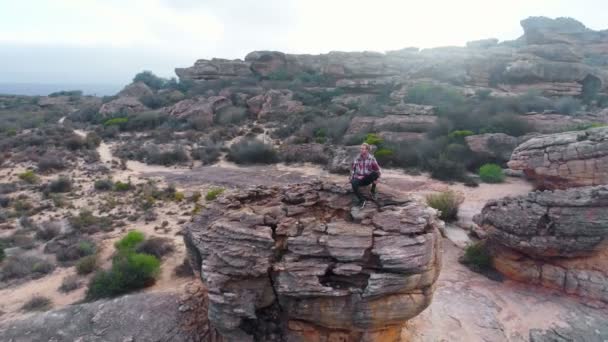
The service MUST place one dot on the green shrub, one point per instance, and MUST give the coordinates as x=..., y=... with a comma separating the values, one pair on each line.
x=195, y=197
x=435, y=95
x=51, y=161
x=252, y=151
x=447, y=203
x=491, y=173
x=29, y=177
x=120, y=186
x=48, y=230
x=104, y=185
x=61, y=184
x=373, y=139
x=444, y=168
x=208, y=154
x=150, y=79
x=75, y=250
x=130, y=271
x=37, y=303
x=175, y=155
x=116, y=122
x=130, y=241
x=213, y=193
x=279, y=75
x=86, y=265
x=178, y=196
x=508, y=124
x=21, y=266
x=458, y=136
x=477, y=257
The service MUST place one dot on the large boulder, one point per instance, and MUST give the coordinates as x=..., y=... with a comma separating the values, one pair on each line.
x=342, y=159
x=216, y=68
x=564, y=160
x=203, y=108
x=493, y=145
x=122, y=105
x=298, y=264
x=553, y=238
x=274, y=103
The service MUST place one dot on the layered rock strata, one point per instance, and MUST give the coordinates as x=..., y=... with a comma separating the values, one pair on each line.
x=297, y=264
x=563, y=160
x=557, y=239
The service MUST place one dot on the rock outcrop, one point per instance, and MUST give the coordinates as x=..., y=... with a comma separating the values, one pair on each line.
x=390, y=123
x=564, y=160
x=493, y=145
x=557, y=239
x=298, y=264
x=203, y=108
x=122, y=105
x=558, y=57
x=274, y=103
x=137, y=90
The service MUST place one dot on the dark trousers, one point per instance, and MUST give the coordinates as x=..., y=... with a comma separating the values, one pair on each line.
x=365, y=181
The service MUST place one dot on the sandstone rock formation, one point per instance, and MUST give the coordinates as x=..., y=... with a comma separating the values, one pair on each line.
x=565, y=160
x=123, y=105
x=493, y=145
x=204, y=108
x=297, y=264
x=273, y=103
x=558, y=57
x=557, y=239
x=390, y=123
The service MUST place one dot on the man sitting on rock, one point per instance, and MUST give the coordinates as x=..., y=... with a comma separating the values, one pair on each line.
x=364, y=171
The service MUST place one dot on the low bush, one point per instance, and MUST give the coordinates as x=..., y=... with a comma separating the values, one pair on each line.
x=491, y=173
x=86, y=265
x=207, y=154
x=51, y=162
x=69, y=284
x=184, y=269
x=213, y=193
x=129, y=271
x=156, y=246
x=37, y=303
x=75, y=251
x=48, y=230
x=121, y=187
x=61, y=184
x=29, y=177
x=195, y=197
x=104, y=185
x=178, y=196
x=88, y=223
x=175, y=155
x=568, y=105
x=21, y=266
x=252, y=151
x=447, y=203
x=130, y=241
x=477, y=257
x=2, y=253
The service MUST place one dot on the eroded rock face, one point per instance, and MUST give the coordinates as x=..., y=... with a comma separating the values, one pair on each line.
x=557, y=239
x=216, y=68
x=202, y=108
x=297, y=264
x=565, y=160
x=494, y=145
x=390, y=123
x=137, y=89
x=274, y=103
x=123, y=105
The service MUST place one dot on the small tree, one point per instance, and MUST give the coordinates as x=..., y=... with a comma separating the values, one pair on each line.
x=150, y=79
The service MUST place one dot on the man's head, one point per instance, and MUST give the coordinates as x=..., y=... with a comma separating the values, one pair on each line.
x=365, y=148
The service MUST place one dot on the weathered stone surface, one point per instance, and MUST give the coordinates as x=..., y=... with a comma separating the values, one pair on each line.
x=313, y=153
x=564, y=160
x=202, y=108
x=342, y=159
x=137, y=89
x=393, y=123
x=139, y=317
x=124, y=105
x=274, y=103
x=297, y=248
x=557, y=123
x=556, y=239
x=494, y=145
x=216, y=68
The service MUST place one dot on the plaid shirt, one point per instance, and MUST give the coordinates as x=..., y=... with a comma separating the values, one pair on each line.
x=364, y=166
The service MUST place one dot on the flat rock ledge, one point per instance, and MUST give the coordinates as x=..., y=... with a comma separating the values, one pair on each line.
x=297, y=263
x=557, y=239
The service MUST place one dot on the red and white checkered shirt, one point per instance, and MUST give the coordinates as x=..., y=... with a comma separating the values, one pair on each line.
x=364, y=166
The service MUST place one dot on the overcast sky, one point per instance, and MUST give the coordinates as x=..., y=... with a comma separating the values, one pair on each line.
x=108, y=41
